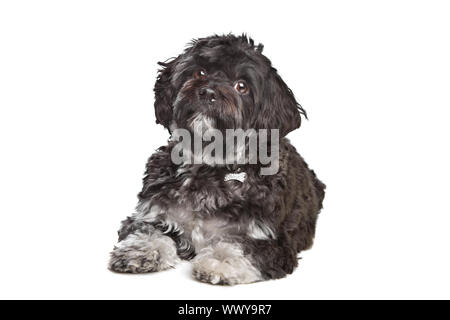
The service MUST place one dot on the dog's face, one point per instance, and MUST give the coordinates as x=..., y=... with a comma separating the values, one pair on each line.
x=226, y=83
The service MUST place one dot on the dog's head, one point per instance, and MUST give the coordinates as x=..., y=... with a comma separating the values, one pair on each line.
x=226, y=83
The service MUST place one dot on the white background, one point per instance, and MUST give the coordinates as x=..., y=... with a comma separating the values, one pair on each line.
x=77, y=125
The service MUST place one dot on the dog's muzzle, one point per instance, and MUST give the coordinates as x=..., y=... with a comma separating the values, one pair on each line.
x=207, y=94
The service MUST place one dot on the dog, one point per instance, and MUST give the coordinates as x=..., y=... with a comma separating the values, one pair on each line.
x=233, y=223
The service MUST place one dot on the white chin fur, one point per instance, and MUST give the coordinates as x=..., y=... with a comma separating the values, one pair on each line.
x=201, y=123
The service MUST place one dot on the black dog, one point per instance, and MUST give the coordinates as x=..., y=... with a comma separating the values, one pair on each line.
x=237, y=228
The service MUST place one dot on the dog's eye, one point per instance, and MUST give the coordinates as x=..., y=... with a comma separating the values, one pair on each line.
x=200, y=74
x=241, y=87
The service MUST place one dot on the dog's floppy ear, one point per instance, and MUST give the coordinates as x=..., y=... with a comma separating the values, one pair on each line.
x=279, y=109
x=165, y=92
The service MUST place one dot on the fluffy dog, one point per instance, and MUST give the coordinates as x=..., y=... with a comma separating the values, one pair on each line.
x=234, y=230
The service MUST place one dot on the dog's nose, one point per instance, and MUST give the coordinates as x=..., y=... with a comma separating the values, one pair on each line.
x=207, y=94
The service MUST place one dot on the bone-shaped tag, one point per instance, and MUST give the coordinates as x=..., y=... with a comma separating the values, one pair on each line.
x=235, y=176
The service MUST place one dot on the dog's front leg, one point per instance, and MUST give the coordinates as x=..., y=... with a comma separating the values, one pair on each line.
x=144, y=249
x=245, y=260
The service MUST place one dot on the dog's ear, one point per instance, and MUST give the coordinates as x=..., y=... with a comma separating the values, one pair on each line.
x=279, y=109
x=165, y=92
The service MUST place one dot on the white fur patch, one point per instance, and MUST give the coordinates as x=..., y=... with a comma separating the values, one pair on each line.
x=206, y=232
x=141, y=252
x=197, y=235
x=260, y=231
x=224, y=263
x=147, y=212
x=201, y=123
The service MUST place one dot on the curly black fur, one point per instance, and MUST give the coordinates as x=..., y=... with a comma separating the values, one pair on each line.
x=282, y=207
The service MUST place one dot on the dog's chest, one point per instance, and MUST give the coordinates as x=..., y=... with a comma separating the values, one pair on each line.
x=201, y=231
x=196, y=204
x=206, y=193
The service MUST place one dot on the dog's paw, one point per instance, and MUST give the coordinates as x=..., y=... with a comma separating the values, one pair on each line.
x=215, y=272
x=130, y=261
x=224, y=264
x=141, y=253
